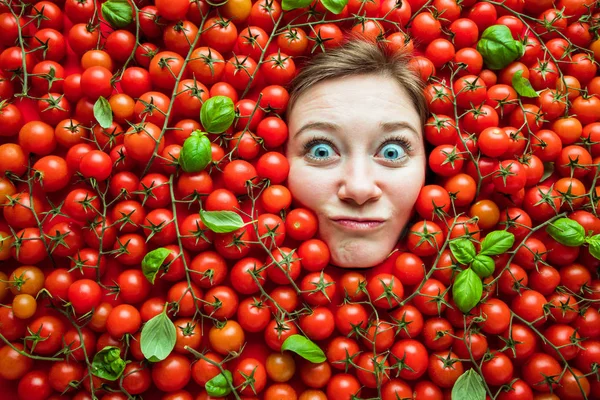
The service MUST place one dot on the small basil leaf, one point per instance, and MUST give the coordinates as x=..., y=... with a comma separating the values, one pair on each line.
x=463, y=250
x=467, y=290
x=221, y=221
x=594, y=243
x=497, y=242
x=567, y=231
x=158, y=338
x=498, y=48
x=196, y=152
x=288, y=5
x=522, y=85
x=219, y=386
x=103, y=112
x=483, y=265
x=107, y=363
x=305, y=348
x=469, y=386
x=153, y=261
x=117, y=13
x=217, y=114
x=334, y=6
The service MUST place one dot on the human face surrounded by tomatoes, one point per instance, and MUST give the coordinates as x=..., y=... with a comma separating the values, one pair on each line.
x=356, y=152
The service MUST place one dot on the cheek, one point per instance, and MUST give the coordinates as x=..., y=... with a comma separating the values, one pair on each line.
x=406, y=191
x=307, y=186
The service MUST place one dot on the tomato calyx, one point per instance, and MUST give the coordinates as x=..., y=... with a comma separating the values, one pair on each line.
x=34, y=338
x=149, y=107
x=321, y=285
x=451, y=156
x=153, y=228
x=53, y=102
x=146, y=192
x=17, y=282
x=447, y=361
x=188, y=329
x=426, y=236
x=249, y=381
x=319, y=42
x=278, y=61
x=58, y=239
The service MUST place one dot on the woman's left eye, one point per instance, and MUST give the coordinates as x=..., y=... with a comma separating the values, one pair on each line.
x=393, y=152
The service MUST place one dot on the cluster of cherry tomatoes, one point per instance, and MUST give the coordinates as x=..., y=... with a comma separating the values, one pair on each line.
x=86, y=194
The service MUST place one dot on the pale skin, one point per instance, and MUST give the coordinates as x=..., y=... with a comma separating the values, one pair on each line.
x=373, y=168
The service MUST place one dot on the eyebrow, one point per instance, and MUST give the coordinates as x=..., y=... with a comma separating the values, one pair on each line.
x=386, y=127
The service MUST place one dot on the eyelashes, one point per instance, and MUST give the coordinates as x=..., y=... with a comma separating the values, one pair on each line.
x=400, y=140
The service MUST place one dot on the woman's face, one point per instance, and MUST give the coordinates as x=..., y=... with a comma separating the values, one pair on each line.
x=367, y=163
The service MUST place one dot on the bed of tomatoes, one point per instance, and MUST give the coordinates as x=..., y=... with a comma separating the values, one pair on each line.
x=82, y=205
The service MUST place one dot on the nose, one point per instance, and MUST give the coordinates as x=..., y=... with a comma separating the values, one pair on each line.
x=359, y=182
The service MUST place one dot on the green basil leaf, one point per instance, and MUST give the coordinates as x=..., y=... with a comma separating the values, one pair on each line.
x=334, y=6
x=483, y=265
x=195, y=153
x=467, y=290
x=221, y=221
x=158, y=337
x=469, y=386
x=107, y=363
x=498, y=48
x=497, y=242
x=305, y=348
x=217, y=114
x=117, y=13
x=153, y=261
x=594, y=243
x=548, y=171
x=219, y=386
x=103, y=112
x=567, y=231
x=522, y=85
x=287, y=5
x=463, y=250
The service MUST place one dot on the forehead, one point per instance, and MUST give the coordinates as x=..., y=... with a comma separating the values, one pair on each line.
x=354, y=100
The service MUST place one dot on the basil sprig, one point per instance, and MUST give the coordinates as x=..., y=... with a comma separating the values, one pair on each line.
x=567, y=231
x=103, y=112
x=467, y=290
x=469, y=386
x=221, y=221
x=571, y=233
x=117, y=13
x=498, y=48
x=196, y=152
x=305, y=348
x=107, y=363
x=594, y=245
x=153, y=261
x=523, y=86
x=468, y=287
x=219, y=386
x=158, y=338
x=333, y=6
x=217, y=114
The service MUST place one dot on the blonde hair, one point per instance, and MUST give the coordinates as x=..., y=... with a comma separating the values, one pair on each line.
x=359, y=55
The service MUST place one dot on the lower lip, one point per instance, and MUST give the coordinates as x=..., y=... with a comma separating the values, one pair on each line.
x=358, y=225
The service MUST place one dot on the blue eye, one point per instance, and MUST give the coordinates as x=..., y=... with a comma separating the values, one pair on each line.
x=393, y=151
x=320, y=150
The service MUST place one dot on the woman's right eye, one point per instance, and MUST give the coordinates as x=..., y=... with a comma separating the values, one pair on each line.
x=320, y=151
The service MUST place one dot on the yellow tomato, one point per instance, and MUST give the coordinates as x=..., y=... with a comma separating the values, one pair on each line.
x=236, y=10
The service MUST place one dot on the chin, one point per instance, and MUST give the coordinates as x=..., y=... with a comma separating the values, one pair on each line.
x=364, y=258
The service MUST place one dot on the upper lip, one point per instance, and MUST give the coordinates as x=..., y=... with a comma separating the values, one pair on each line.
x=372, y=219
